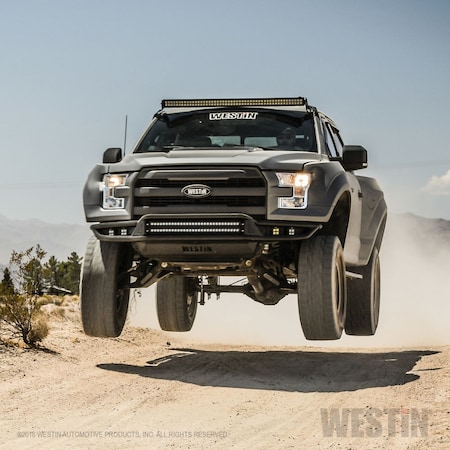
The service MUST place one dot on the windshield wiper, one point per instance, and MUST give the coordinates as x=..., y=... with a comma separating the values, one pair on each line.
x=250, y=148
x=168, y=148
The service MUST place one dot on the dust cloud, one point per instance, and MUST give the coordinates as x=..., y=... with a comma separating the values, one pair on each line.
x=415, y=300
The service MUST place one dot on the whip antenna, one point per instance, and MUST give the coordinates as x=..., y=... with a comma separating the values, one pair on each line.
x=125, y=135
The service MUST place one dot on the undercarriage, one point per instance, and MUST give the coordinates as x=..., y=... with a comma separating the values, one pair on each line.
x=268, y=276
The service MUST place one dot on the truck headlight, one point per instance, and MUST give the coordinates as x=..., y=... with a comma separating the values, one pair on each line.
x=299, y=182
x=109, y=185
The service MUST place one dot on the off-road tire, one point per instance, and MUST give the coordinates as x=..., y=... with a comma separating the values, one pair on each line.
x=176, y=303
x=363, y=299
x=322, y=288
x=104, y=288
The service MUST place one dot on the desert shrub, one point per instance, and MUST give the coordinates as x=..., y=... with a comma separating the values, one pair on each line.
x=20, y=318
x=27, y=285
x=38, y=332
x=59, y=312
x=58, y=301
x=19, y=305
x=45, y=300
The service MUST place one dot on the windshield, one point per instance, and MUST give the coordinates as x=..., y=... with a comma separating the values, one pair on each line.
x=231, y=128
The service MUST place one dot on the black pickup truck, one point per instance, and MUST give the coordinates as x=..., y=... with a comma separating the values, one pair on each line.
x=261, y=192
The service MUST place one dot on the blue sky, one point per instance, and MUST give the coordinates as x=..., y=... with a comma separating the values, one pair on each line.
x=72, y=70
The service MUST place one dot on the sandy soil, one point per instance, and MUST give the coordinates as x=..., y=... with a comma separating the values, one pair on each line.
x=141, y=391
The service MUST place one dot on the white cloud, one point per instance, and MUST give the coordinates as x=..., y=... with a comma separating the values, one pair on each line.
x=438, y=185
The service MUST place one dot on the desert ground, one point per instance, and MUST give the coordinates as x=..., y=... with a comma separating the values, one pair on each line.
x=142, y=390
x=245, y=377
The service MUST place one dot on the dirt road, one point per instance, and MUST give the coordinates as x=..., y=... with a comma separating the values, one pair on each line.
x=140, y=391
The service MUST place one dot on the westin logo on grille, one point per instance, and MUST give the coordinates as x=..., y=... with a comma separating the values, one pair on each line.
x=196, y=191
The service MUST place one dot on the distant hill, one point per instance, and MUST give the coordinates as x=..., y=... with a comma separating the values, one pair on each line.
x=429, y=234
x=58, y=240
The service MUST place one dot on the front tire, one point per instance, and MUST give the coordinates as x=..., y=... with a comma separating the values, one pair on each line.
x=364, y=299
x=322, y=288
x=104, y=288
x=176, y=303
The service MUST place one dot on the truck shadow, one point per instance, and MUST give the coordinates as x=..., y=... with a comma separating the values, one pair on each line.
x=291, y=371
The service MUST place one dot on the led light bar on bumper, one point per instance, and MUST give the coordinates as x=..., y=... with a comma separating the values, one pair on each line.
x=153, y=227
x=109, y=184
x=299, y=182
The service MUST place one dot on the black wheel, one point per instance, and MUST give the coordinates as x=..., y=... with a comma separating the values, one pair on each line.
x=363, y=299
x=104, y=288
x=176, y=303
x=322, y=288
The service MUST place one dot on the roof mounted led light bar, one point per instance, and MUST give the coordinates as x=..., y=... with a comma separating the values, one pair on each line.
x=225, y=102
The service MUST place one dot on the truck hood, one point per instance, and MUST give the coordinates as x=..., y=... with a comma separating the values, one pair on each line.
x=264, y=159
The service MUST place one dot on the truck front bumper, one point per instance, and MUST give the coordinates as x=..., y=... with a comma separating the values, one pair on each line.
x=203, y=227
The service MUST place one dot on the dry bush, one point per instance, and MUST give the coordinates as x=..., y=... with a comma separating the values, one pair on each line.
x=20, y=315
x=59, y=313
x=58, y=301
x=45, y=300
x=49, y=299
x=71, y=299
x=39, y=331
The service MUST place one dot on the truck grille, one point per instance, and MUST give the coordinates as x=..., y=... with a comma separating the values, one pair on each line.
x=234, y=190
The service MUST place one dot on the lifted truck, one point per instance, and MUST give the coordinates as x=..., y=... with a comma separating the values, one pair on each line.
x=261, y=189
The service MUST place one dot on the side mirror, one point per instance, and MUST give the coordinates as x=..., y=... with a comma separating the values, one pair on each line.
x=354, y=157
x=112, y=155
